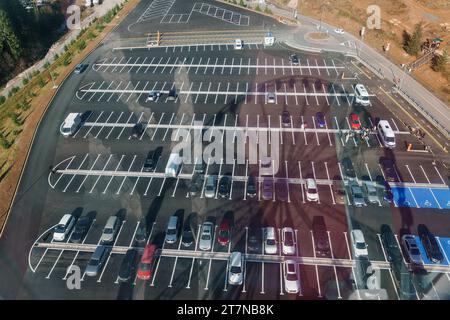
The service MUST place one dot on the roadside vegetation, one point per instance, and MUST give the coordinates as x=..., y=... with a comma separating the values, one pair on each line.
x=21, y=110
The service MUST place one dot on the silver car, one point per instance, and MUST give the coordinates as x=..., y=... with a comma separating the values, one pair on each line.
x=371, y=191
x=97, y=261
x=236, y=268
x=210, y=187
x=411, y=248
x=358, y=198
x=206, y=236
x=271, y=97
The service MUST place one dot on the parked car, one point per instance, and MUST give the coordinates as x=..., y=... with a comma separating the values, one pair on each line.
x=294, y=59
x=223, y=236
x=357, y=195
x=238, y=44
x=137, y=131
x=254, y=242
x=64, y=227
x=140, y=237
x=236, y=268
x=172, y=230
x=393, y=253
x=210, y=186
x=339, y=31
x=281, y=188
x=412, y=250
x=206, y=236
x=359, y=244
x=110, y=230
x=145, y=267
x=127, y=268
x=349, y=170
x=270, y=241
x=286, y=118
x=151, y=160
x=321, y=241
x=430, y=244
x=371, y=192
x=188, y=235
x=320, y=119
x=251, y=186
x=267, y=189
x=339, y=192
x=291, y=277
x=153, y=95
x=288, y=242
x=81, y=228
x=97, y=261
x=355, y=123
x=195, y=185
x=311, y=190
x=388, y=167
x=172, y=96
x=271, y=97
x=224, y=186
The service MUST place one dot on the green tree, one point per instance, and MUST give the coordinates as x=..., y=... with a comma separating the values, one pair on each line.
x=8, y=38
x=440, y=62
x=414, y=42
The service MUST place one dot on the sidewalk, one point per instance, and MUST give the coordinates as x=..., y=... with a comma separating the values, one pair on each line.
x=436, y=111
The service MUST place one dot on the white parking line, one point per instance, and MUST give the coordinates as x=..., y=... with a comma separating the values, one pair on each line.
x=98, y=178
x=109, y=256
x=117, y=167
x=73, y=176
x=301, y=178
x=314, y=174
x=328, y=177
x=95, y=161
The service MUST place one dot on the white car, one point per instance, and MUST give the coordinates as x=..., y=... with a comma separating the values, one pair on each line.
x=238, y=44
x=359, y=243
x=271, y=97
x=210, y=186
x=236, y=268
x=270, y=241
x=339, y=31
x=153, y=95
x=206, y=236
x=64, y=227
x=288, y=242
x=311, y=190
x=291, y=278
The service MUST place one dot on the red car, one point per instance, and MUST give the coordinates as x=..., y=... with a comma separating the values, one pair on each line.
x=146, y=264
x=224, y=232
x=355, y=124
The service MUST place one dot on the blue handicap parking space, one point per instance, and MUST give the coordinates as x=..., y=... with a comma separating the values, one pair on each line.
x=438, y=198
x=445, y=248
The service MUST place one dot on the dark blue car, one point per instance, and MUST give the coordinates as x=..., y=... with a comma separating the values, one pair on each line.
x=320, y=119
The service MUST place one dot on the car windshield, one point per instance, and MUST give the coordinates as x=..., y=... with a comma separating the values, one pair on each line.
x=312, y=190
x=145, y=266
x=389, y=139
x=415, y=251
x=108, y=231
x=60, y=228
x=291, y=277
x=360, y=245
x=171, y=231
x=66, y=129
x=93, y=262
x=288, y=240
x=365, y=98
x=223, y=233
x=270, y=242
x=206, y=237
x=235, y=270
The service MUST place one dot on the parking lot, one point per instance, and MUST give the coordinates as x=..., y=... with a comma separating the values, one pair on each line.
x=233, y=97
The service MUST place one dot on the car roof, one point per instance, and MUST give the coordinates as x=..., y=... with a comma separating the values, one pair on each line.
x=358, y=235
x=149, y=251
x=311, y=182
x=236, y=258
x=65, y=218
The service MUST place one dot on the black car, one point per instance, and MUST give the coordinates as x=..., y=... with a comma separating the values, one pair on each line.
x=80, y=230
x=251, y=186
x=388, y=167
x=294, y=59
x=188, y=235
x=195, y=185
x=393, y=253
x=286, y=118
x=430, y=244
x=172, y=95
x=128, y=266
x=385, y=189
x=281, y=189
x=140, y=237
x=321, y=241
x=349, y=170
x=79, y=68
x=152, y=159
x=138, y=130
x=254, y=241
x=224, y=186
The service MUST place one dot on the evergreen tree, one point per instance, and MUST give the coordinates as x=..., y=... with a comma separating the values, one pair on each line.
x=440, y=62
x=8, y=39
x=413, y=44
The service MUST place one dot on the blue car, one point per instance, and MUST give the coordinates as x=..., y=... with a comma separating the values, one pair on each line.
x=320, y=118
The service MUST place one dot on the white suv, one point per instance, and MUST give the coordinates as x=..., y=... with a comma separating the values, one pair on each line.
x=359, y=243
x=311, y=190
x=64, y=227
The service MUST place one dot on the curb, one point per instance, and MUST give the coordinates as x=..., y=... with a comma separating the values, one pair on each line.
x=37, y=127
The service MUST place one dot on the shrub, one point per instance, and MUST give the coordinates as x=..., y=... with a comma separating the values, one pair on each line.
x=15, y=118
x=41, y=82
x=257, y=8
x=25, y=81
x=3, y=142
x=81, y=45
x=2, y=100
x=46, y=65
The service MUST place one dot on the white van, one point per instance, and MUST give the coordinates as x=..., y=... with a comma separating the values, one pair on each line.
x=70, y=124
x=173, y=165
x=361, y=95
x=386, y=134
x=64, y=227
x=238, y=44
